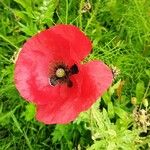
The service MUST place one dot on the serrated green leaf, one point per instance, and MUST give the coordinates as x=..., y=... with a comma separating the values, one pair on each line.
x=27, y=5
x=106, y=118
x=47, y=15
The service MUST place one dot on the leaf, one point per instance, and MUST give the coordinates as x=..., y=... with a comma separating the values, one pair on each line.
x=111, y=145
x=23, y=3
x=47, y=14
x=20, y=14
x=29, y=112
x=106, y=118
x=147, y=72
x=29, y=29
x=27, y=5
x=5, y=118
x=58, y=133
x=106, y=97
x=140, y=89
x=111, y=110
x=98, y=145
x=97, y=116
x=121, y=113
x=114, y=87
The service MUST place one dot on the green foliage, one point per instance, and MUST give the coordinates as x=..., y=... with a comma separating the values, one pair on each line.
x=147, y=72
x=109, y=136
x=72, y=135
x=120, y=33
x=29, y=113
x=140, y=89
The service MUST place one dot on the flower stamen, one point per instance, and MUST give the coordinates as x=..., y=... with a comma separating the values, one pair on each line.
x=74, y=69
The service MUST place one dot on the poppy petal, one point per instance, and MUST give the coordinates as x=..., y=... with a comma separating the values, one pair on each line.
x=79, y=43
x=97, y=79
x=35, y=60
x=61, y=109
x=94, y=79
x=61, y=113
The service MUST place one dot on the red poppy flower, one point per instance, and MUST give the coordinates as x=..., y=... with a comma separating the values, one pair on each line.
x=49, y=73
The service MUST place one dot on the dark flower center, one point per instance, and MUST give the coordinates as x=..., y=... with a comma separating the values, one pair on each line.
x=62, y=74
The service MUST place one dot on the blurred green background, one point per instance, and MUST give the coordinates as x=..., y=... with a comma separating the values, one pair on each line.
x=120, y=31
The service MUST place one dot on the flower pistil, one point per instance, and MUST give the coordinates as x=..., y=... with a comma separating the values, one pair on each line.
x=62, y=73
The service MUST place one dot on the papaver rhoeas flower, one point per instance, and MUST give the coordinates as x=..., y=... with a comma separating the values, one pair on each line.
x=49, y=73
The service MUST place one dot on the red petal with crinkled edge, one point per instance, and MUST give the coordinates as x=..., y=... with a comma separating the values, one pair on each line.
x=79, y=43
x=34, y=63
x=93, y=79
x=97, y=79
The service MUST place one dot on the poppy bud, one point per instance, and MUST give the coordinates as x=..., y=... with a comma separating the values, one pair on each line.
x=145, y=102
x=134, y=100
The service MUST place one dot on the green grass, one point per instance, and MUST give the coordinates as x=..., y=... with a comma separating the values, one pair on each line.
x=120, y=31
